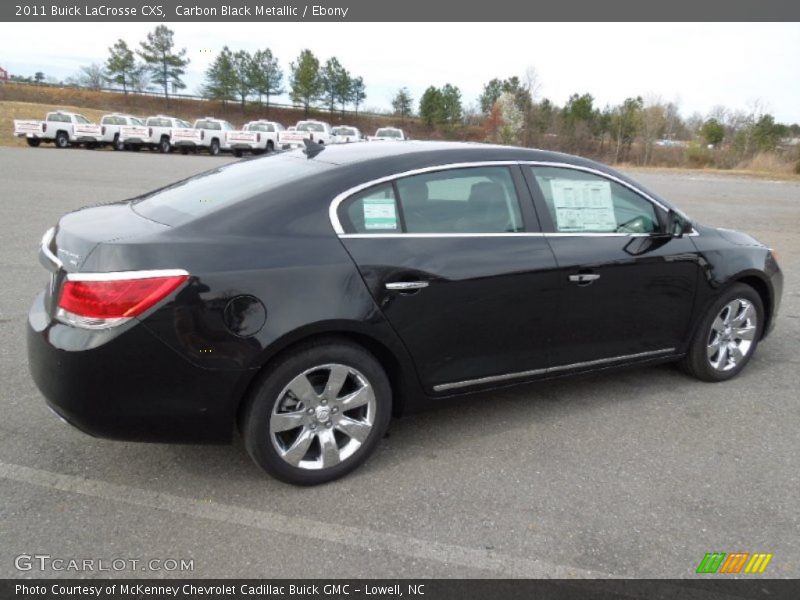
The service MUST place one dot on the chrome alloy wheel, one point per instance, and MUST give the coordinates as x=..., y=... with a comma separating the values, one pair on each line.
x=322, y=416
x=732, y=334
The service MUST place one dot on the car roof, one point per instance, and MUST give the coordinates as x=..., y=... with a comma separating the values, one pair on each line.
x=391, y=157
x=438, y=153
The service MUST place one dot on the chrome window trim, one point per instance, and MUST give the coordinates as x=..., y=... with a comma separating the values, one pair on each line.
x=122, y=275
x=334, y=206
x=557, y=369
x=339, y=198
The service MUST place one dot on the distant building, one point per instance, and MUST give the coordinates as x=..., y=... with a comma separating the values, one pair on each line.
x=3, y=75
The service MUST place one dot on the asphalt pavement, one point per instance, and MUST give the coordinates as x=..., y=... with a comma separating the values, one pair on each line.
x=637, y=473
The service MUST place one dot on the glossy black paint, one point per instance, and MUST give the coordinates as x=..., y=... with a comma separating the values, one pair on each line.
x=269, y=271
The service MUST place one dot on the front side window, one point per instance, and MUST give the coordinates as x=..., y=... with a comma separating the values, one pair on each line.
x=581, y=202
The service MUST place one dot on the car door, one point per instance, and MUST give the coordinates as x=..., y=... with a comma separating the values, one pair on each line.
x=628, y=287
x=455, y=261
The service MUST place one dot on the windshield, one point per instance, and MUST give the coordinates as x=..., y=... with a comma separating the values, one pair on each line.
x=392, y=133
x=310, y=127
x=227, y=185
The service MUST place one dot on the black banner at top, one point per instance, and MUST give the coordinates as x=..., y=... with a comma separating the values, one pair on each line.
x=399, y=10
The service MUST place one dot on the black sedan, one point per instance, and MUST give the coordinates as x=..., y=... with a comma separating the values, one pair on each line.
x=308, y=296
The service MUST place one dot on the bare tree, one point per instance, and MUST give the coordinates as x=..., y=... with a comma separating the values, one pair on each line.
x=92, y=76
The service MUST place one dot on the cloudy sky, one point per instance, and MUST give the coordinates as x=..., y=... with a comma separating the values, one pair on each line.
x=698, y=65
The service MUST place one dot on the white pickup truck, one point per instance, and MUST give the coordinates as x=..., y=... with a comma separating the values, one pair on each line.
x=389, y=133
x=256, y=137
x=62, y=128
x=156, y=133
x=346, y=134
x=112, y=124
x=208, y=133
x=316, y=131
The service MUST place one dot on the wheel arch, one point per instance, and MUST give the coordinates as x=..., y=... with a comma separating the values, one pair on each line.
x=400, y=372
x=762, y=287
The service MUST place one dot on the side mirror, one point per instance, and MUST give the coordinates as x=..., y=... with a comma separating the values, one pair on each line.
x=677, y=226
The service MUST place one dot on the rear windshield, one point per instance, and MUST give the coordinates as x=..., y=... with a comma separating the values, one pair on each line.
x=310, y=127
x=394, y=133
x=225, y=186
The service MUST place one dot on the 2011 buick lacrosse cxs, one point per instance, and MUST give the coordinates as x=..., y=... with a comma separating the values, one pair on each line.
x=305, y=297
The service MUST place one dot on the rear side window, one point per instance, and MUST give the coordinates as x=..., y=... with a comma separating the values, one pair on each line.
x=224, y=186
x=472, y=200
x=453, y=201
x=373, y=211
x=581, y=202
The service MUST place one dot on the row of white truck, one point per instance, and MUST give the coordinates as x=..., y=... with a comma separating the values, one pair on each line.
x=165, y=133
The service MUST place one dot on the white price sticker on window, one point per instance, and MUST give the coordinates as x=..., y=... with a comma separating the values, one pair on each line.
x=380, y=213
x=583, y=205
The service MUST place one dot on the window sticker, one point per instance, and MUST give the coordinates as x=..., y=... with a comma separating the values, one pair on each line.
x=380, y=213
x=583, y=205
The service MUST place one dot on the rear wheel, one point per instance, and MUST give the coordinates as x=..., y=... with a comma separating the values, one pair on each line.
x=184, y=150
x=727, y=337
x=33, y=142
x=237, y=153
x=62, y=140
x=270, y=146
x=118, y=144
x=213, y=149
x=318, y=413
x=163, y=145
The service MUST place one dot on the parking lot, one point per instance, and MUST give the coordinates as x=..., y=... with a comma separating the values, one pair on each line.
x=637, y=474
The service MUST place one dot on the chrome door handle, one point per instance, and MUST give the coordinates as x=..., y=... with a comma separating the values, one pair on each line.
x=403, y=286
x=584, y=278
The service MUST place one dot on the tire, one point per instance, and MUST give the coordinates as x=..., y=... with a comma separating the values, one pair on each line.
x=727, y=336
x=62, y=140
x=237, y=153
x=135, y=147
x=33, y=142
x=270, y=146
x=184, y=150
x=213, y=148
x=163, y=145
x=281, y=392
x=117, y=144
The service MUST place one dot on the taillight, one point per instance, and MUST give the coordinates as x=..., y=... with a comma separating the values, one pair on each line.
x=44, y=127
x=149, y=132
x=100, y=300
x=103, y=130
x=202, y=135
x=258, y=137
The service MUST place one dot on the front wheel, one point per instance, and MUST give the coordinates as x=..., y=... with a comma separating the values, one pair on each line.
x=318, y=413
x=728, y=335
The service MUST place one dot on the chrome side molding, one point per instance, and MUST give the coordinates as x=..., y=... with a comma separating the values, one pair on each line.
x=523, y=374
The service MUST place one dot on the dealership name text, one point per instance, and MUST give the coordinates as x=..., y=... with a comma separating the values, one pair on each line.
x=190, y=589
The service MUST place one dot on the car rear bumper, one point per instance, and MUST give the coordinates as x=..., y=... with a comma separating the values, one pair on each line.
x=127, y=384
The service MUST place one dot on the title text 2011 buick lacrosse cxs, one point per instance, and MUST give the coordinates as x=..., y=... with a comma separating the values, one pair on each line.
x=307, y=296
